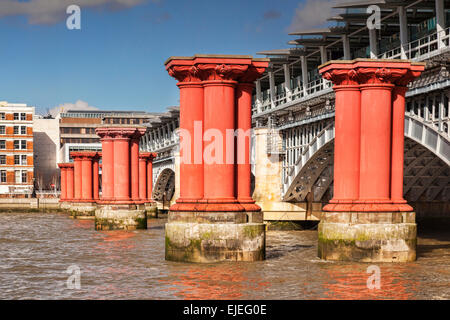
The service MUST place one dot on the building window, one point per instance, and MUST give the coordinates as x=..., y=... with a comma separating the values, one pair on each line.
x=2, y=159
x=20, y=144
x=2, y=144
x=24, y=160
x=23, y=130
x=17, y=159
x=2, y=130
x=18, y=176
x=16, y=116
x=24, y=176
x=23, y=116
x=16, y=129
x=2, y=116
x=3, y=176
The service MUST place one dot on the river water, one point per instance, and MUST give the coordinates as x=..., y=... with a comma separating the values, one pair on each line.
x=37, y=249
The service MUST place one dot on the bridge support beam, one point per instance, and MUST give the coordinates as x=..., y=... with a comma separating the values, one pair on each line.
x=215, y=102
x=371, y=223
x=120, y=207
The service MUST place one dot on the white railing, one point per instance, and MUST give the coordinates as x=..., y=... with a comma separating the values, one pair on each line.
x=417, y=50
x=421, y=48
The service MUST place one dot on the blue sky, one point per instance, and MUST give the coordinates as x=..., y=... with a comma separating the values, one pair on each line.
x=115, y=62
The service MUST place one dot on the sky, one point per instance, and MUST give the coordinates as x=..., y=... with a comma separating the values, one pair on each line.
x=116, y=60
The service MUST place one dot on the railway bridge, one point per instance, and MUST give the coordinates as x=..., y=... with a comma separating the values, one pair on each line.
x=294, y=109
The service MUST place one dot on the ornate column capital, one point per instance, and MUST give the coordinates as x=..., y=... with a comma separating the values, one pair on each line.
x=126, y=132
x=147, y=156
x=369, y=71
x=341, y=76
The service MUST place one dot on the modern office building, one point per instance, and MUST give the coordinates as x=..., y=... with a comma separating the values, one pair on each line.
x=16, y=149
x=77, y=128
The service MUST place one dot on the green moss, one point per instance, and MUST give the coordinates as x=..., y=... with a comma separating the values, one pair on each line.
x=252, y=231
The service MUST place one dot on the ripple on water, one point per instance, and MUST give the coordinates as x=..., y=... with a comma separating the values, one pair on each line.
x=38, y=248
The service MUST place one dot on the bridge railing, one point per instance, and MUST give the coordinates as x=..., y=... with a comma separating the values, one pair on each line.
x=418, y=50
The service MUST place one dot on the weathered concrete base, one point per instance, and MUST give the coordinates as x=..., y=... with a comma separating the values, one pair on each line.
x=368, y=236
x=120, y=217
x=213, y=237
x=82, y=209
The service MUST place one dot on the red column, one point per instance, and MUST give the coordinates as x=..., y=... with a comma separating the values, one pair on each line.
x=134, y=163
x=107, y=164
x=77, y=176
x=244, y=92
x=190, y=132
x=398, y=137
x=347, y=135
x=63, y=168
x=70, y=182
x=376, y=124
x=117, y=159
x=122, y=168
x=86, y=172
x=95, y=177
x=375, y=142
x=143, y=176
x=219, y=175
x=150, y=176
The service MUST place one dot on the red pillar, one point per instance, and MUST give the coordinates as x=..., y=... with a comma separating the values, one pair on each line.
x=63, y=184
x=70, y=182
x=150, y=158
x=209, y=82
x=143, y=176
x=107, y=164
x=190, y=132
x=134, y=166
x=95, y=177
x=116, y=164
x=398, y=137
x=86, y=172
x=122, y=168
x=379, y=156
x=244, y=92
x=375, y=142
x=77, y=176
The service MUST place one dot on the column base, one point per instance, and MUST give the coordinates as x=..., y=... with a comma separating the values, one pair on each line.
x=80, y=210
x=216, y=205
x=213, y=237
x=368, y=236
x=120, y=217
x=367, y=206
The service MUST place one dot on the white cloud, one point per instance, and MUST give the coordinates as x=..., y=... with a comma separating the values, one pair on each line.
x=79, y=105
x=313, y=13
x=53, y=11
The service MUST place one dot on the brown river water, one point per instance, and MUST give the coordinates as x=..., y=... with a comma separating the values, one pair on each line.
x=37, y=249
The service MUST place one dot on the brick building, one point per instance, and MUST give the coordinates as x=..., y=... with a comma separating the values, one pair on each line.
x=16, y=149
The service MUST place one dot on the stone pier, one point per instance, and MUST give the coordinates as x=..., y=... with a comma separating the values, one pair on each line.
x=121, y=206
x=368, y=220
x=215, y=218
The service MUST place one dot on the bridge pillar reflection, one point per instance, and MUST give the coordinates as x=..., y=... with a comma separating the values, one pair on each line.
x=215, y=100
x=367, y=219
